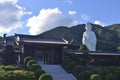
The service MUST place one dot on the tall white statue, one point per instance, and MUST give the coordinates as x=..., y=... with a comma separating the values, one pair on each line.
x=89, y=38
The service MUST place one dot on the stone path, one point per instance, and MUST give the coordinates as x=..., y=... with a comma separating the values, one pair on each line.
x=57, y=72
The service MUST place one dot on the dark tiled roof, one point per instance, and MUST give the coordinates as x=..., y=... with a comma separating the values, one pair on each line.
x=93, y=53
x=35, y=39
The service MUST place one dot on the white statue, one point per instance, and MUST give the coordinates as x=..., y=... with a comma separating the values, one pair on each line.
x=89, y=38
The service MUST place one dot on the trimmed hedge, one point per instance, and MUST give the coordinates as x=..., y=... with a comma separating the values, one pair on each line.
x=11, y=67
x=35, y=67
x=39, y=72
x=30, y=63
x=45, y=77
x=18, y=75
x=27, y=59
x=95, y=77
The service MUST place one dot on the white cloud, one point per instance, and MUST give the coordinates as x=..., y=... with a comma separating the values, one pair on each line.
x=85, y=17
x=28, y=13
x=4, y=1
x=100, y=23
x=68, y=1
x=48, y=19
x=10, y=15
x=72, y=12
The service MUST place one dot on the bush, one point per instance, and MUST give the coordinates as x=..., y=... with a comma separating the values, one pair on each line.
x=45, y=77
x=111, y=76
x=118, y=48
x=27, y=59
x=19, y=75
x=39, y=72
x=66, y=60
x=83, y=47
x=30, y=63
x=35, y=67
x=70, y=66
x=1, y=77
x=85, y=75
x=95, y=77
x=104, y=71
x=11, y=67
x=77, y=69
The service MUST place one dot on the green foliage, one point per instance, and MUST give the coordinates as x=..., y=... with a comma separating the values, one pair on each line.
x=109, y=34
x=106, y=45
x=70, y=66
x=66, y=60
x=118, y=48
x=19, y=75
x=110, y=73
x=111, y=76
x=11, y=67
x=30, y=63
x=95, y=77
x=1, y=77
x=85, y=75
x=45, y=77
x=115, y=27
x=27, y=59
x=77, y=69
x=8, y=56
x=83, y=48
x=39, y=72
x=35, y=67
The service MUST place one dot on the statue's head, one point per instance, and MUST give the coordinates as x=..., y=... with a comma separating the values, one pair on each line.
x=88, y=27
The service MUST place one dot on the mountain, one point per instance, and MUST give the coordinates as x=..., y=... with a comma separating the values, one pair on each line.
x=108, y=37
x=115, y=27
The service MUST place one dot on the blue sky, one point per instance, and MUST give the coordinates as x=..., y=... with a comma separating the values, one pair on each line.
x=37, y=16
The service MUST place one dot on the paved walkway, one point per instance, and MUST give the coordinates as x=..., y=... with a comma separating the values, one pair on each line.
x=57, y=72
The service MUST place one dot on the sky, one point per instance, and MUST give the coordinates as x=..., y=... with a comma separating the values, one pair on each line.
x=37, y=16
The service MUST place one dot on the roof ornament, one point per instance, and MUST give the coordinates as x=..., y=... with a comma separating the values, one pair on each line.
x=4, y=38
x=65, y=40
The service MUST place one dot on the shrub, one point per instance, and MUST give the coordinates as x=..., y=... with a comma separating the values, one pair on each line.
x=70, y=66
x=66, y=60
x=111, y=76
x=95, y=77
x=104, y=71
x=35, y=66
x=1, y=77
x=10, y=67
x=77, y=69
x=29, y=63
x=27, y=59
x=39, y=72
x=19, y=75
x=45, y=77
x=83, y=47
x=118, y=48
x=85, y=75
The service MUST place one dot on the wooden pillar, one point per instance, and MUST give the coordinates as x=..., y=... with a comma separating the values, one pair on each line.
x=22, y=54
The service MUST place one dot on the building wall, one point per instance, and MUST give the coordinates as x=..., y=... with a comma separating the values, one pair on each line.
x=52, y=54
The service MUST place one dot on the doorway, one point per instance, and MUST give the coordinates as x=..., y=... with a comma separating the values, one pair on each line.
x=40, y=56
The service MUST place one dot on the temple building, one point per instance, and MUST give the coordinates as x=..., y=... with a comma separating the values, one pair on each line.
x=44, y=50
x=53, y=50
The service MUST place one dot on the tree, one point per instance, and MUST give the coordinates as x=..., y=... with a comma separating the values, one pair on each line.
x=86, y=57
x=118, y=48
x=83, y=47
x=9, y=56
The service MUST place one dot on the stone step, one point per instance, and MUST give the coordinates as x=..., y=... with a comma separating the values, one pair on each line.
x=57, y=72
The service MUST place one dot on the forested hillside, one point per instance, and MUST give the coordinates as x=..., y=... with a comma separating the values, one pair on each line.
x=108, y=37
